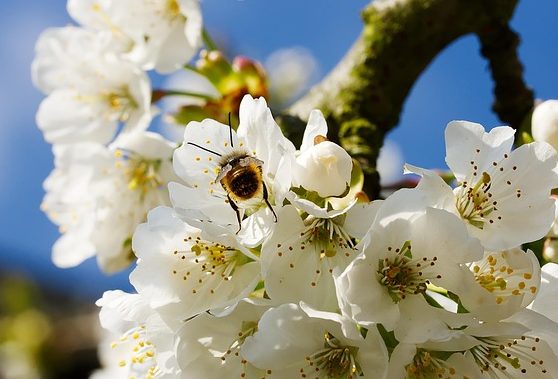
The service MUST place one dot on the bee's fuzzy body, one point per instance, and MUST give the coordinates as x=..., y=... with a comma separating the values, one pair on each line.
x=241, y=177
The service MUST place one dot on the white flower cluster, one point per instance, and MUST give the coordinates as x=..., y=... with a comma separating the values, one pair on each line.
x=268, y=266
x=109, y=170
x=256, y=259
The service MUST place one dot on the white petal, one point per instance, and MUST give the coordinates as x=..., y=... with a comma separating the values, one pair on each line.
x=194, y=203
x=522, y=194
x=197, y=166
x=419, y=322
x=120, y=310
x=74, y=247
x=276, y=347
x=438, y=193
x=468, y=142
x=546, y=302
x=360, y=217
x=65, y=118
x=204, y=344
x=363, y=298
x=294, y=271
x=175, y=50
x=187, y=282
x=317, y=126
x=442, y=234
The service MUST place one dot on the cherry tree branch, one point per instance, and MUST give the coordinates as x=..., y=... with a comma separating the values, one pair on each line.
x=513, y=99
x=362, y=98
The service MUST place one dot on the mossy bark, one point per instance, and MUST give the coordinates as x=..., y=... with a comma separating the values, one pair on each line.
x=362, y=98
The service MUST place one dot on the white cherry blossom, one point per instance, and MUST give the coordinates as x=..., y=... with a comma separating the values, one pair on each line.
x=98, y=195
x=314, y=344
x=504, y=283
x=183, y=271
x=142, y=345
x=160, y=34
x=515, y=349
x=206, y=155
x=499, y=191
x=62, y=53
x=301, y=254
x=90, y=90
x=210, y=347
x=400, y=259
x=410, y=361
x=509, y=349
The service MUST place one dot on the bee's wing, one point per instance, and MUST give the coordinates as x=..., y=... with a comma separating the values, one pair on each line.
x=223, y=172
x=247, y=161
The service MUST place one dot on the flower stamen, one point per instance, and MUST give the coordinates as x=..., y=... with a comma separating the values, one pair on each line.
x=336, y=360
x=404, y=275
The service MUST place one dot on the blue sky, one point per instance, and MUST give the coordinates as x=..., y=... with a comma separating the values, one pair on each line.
x=456, y=86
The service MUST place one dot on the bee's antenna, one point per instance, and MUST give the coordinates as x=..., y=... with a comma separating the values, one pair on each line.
x=203, y=148
x=230, y=130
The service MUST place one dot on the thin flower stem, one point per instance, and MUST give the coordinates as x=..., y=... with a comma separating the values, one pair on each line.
x=191, y=68
x=169, y=92
x=208, y=41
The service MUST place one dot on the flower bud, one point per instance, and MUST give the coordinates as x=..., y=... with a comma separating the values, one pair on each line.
x=324, y=168
x=216, y=68
x=253, y=74
x=544, y=123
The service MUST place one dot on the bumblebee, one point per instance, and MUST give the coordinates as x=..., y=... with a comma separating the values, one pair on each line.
x=240, y=175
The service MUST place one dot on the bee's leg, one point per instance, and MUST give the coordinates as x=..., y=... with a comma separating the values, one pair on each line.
x=265, y=195
x=235, y=208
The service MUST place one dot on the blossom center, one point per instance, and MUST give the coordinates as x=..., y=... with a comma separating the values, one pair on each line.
x=404, y=275
x=142, y=173
x=425, y=366
x=327, y=235
x=120, y=102
x=247, y=329
x=137, y=350
x=335, y=360
x=496, y=277
x=474, y=202
x=207, y=262
x=500, y=354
